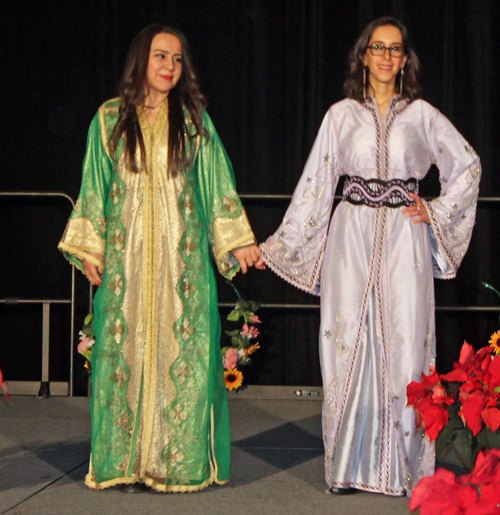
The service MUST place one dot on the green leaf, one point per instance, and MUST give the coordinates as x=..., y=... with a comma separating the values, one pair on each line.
x=466, y=448
x=445, y=438
x=234, y=316
x=236, y=332
x=254, y=306
x=493, y=438
x=236, y=342
x=88, y=330
x=241, y=305
x=223, y=351
x=455, y=422
x=89, y=319
x=488, y=439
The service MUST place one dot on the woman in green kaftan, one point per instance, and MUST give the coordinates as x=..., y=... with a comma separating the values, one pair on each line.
x=157, y=198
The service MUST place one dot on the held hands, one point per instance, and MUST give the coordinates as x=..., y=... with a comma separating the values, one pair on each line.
x=418, y=210
x=248, y=255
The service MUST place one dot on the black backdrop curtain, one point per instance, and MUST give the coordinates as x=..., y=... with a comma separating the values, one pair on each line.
x=270, y=69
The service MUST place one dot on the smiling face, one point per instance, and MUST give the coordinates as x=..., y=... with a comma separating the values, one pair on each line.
x=384, y=68
x=164, y=65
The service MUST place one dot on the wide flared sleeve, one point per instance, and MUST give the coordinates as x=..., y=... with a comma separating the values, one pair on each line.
x=453, y=213
x=228, y=224
x=85, y=233
x=295, y=251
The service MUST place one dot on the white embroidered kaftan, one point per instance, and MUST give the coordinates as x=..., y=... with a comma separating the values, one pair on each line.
x=376, y=268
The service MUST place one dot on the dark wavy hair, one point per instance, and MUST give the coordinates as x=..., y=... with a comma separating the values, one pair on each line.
x=185, y=94
x=353, y=85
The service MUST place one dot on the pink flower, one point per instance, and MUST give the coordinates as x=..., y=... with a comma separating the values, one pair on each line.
x=230, y=358
x=85, y=344
x=250, y=331
x=254, y=320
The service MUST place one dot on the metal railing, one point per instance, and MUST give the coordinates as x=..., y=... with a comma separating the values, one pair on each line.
x=44, y=389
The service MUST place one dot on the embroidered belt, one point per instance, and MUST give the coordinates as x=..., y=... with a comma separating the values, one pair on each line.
x=378, y=193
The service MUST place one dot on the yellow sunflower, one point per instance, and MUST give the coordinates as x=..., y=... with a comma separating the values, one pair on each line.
x=234, y=378
x=495, y=343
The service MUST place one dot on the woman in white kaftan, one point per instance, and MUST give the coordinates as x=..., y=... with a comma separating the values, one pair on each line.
x=376, y=260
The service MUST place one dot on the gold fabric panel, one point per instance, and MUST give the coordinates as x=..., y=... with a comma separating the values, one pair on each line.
x=151, y=306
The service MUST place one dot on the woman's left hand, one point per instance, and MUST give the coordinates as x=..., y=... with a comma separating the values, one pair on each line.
x=246, y=256
x=418, y=212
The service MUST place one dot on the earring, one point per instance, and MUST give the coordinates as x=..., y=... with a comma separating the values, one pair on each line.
x=401, y=81
x=364, y=82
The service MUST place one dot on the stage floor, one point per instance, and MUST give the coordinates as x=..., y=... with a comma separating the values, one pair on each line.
x=276, y=465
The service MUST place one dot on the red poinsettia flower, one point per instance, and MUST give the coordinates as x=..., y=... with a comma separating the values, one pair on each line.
x=4, y=386
x=494, y=374
x=486, y=469
x=434, y=418
x=477, y=493
x=417, y=390
x=491, y=417
x=471, y=411
x=437, y=493
x=467, y=356
x=429, y=400
x=458, y=375
x=489, y=500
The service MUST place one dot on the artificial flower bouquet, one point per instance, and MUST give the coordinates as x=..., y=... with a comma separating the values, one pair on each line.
x=87, y=339
x=234, y=356
x=237, y=354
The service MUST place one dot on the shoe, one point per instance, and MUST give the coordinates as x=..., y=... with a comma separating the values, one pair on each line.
x=133, y=488
x=341, y=491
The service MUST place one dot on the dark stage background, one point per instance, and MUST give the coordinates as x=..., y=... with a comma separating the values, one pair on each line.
x=270, y=69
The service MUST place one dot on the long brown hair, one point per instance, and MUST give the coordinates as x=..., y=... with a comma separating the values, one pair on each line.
x=186, y=94
x=353, y=85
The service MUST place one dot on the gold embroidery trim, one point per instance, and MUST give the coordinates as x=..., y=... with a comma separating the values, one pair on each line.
x=81, y=255
x=104, y=136
x=230, y=233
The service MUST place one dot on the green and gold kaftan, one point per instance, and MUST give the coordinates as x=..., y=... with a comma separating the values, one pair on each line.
x=159, y=407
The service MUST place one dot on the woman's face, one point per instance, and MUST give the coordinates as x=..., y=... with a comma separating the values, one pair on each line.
x=384, y=68
x=165, y=63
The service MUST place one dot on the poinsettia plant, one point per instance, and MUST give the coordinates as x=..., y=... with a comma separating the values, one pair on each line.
x=242, y=346
x=462, y=408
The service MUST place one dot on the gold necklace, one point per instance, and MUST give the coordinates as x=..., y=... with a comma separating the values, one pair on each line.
x=153, y=107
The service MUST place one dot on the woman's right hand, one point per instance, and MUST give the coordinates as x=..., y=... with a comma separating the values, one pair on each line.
x=92, y=272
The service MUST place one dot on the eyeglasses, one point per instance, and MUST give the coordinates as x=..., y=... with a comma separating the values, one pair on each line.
x=395, y=50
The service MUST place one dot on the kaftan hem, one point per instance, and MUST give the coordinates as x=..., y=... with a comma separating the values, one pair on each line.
x=370, y=489
x=135, y=478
